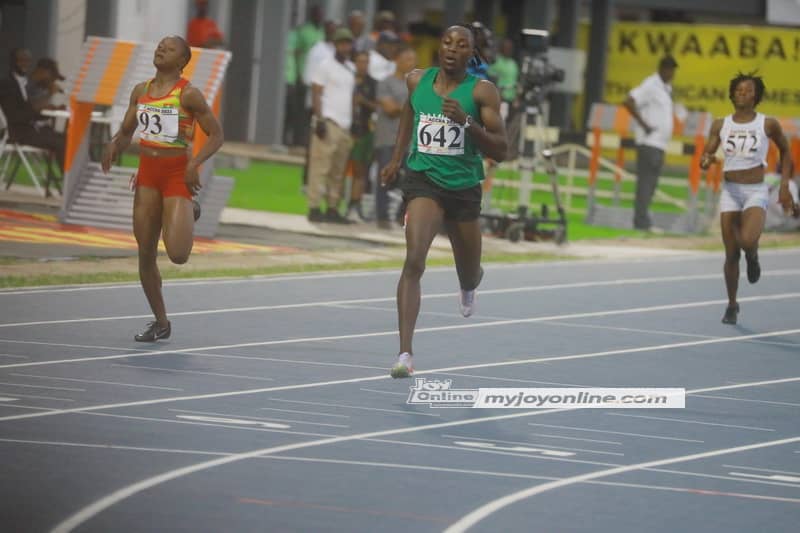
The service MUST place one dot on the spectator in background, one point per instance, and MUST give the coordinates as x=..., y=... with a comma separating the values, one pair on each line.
x=321, y=51
x=392, y=93
x=651, y=105
x=332, y=89
x=506, y=71
x=306, y=36
x=203, y=32
x=43, y=85
x=384, y=21
x=381, y=59
x=355, y=21
x=364, y=106
x=24, y=123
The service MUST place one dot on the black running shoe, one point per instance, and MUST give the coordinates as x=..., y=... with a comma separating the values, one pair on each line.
x=153, y=332
x=196, y=208
x=731, y=313
x=753, y=268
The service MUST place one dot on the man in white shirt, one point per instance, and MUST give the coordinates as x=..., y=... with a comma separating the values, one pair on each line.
x=319, y=52
x=332, y=85
x=651, y=106
x=381, y=60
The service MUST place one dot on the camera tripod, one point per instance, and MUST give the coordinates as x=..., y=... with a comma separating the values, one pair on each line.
x=535, y=151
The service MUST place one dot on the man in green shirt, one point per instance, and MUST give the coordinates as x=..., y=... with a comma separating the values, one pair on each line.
x=506, y=71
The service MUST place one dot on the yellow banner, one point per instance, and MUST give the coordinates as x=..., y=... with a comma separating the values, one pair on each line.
x=708, y=58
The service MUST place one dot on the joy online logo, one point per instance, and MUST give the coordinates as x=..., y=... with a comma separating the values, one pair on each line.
x=439, y=393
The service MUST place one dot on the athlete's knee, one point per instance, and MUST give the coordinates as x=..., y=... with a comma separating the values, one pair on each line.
x=414, y=266
x=733, y=256
x=748, y=244
x=179, y=257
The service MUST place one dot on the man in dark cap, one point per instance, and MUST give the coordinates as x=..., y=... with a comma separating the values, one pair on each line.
x=650, y=104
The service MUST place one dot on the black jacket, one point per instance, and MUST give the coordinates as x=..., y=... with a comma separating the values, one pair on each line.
x=18, y=111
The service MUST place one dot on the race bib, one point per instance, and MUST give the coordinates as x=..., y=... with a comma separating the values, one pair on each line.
x=157, y=124
x=741, y=143
x=438, y=135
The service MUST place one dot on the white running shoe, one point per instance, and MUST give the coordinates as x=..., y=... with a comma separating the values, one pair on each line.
x=466, y=302
x=404, y=366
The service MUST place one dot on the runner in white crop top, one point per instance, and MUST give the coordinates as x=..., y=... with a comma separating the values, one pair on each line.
x=744, y=137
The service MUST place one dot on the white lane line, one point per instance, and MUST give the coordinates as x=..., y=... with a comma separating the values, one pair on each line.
x=486, y=292
x=486, y=510
x=4, y=399
x=86, y=513
x=532, y=444
x=25, y=385
x=376, y=391
x=772, y=477
x=81, y=346
x=513, y=380
x=277, y=278
x=422, y=312
x=234, y=421
x=232, y=415
x=301, y=386
x=17, y=406
x=576, y=438
x=300, y=340
x=97, y=381
x=766, y=402
x=360, y=407
x=10, y=356
x=394, y=466
x=303, y=412
x=41, y=397
x=663, y=332
x=641, y=435
x=684, y=421
x=161, y=369
x=290, y=361
x=763, y=470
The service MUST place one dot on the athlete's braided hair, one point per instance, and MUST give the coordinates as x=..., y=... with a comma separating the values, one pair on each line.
x=758, y=83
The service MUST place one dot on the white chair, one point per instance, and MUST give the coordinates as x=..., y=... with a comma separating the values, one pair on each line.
x=22, y=154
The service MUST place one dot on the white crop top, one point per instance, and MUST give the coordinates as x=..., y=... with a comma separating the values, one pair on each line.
x=745, y=145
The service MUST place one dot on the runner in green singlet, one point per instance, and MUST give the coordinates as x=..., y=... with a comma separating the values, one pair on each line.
x=450, y=121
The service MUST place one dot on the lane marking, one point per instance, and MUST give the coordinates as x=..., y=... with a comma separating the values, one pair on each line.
x=360, y=407
x=96, y=381
x=772, y=477
x=258, y=419
x=763, y=470
x=532, y=444
x=88, y=512
x=486, y=510
x=234, y=421
x=161, y=369
x=642, y=435
x=328, y=303
x=24, y=385
x=301, y=386
x=683, y=421
x=300, y=340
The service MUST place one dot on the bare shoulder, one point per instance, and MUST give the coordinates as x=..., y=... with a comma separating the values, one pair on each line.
x=192, y=97
x=486, y=92
x=138, y=91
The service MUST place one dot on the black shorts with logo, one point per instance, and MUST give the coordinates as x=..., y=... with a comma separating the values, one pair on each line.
x=462, y=205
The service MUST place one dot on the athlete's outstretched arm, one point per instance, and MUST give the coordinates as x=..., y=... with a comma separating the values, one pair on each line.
x=389, y=172
x=193, y=101
x=712, y=145
x=122, y=139
x=491, y=137
x=775, y=132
